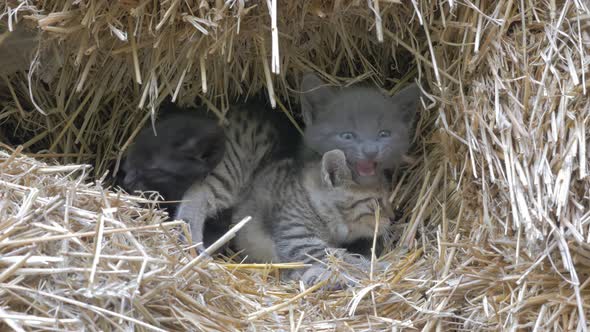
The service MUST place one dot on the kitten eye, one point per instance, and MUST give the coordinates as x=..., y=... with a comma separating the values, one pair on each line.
x=347, y=135
x=384, y=133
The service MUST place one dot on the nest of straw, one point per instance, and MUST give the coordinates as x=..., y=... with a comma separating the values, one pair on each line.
x=496, y=200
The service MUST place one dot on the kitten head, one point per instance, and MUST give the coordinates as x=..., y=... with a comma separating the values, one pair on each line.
x=355, y=204
x=372, y=129
x=187, y=147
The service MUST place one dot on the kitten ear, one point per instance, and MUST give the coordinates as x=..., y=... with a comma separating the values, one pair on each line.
x=209, y=150
x=314, y=94
x=335, y=171
x=213, y=150
x=407, y=100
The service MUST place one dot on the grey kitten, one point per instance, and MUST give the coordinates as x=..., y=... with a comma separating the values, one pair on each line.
x=372, y=129
x=299, y=211
x=187, y=147
x=254, y=137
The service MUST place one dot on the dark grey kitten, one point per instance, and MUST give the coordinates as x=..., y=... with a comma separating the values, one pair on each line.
x=372, y=129
x=187, y=147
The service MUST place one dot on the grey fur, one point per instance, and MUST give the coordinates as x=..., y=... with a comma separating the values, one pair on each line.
x=371, y=128
x=300, y=211
x=187, y=147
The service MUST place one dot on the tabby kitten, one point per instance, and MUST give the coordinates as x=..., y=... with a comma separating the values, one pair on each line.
x=187, y=147
x=299, y=211
x=254, y=137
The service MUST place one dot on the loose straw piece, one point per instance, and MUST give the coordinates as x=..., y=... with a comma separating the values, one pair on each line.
x=10, y=270
x=374, y=5
x=280, y=306
x=214, y=247
x=135, y=56
x=267, y=76
x=276, y=61
x=97, y=249
x=203, y=74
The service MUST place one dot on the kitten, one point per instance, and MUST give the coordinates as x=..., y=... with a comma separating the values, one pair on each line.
x=254, y=137
x=372, y=129
x=299, y=211
x=187, y=147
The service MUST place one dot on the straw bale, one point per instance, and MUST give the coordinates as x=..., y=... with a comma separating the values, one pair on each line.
x=495, y=198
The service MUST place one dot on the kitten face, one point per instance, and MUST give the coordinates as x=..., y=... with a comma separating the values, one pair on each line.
x=370, y=128
x=354, y=204
x=187, y=147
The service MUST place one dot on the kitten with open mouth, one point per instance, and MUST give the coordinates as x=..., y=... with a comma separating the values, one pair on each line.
x=365, y=168
x=371, y=128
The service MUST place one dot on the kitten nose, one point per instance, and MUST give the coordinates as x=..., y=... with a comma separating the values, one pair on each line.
x=370, y=152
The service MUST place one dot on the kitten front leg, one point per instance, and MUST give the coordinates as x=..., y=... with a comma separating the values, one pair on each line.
x=308, y=250
x=206, y=199
x=194, y=210
x=201, y=202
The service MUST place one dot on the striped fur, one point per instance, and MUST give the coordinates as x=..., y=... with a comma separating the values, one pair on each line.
x=252, y=140
x=299, y=211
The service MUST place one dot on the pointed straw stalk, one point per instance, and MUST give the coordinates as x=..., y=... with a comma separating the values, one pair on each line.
x=496, y=224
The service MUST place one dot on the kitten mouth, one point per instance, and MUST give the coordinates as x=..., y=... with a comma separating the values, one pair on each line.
x=366, y=167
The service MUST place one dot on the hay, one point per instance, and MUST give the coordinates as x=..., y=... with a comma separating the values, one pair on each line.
x=74, y=255
x=496, y=198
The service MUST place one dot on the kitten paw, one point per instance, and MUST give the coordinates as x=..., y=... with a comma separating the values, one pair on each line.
x=319, y=273
x=377, y=267
x=364, y=264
